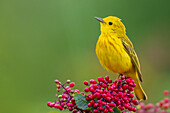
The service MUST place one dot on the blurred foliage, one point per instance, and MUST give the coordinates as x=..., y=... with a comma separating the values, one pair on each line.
x=44, y=40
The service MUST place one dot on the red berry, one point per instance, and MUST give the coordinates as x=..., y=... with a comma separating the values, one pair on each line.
x=105, y=111
x=99, y=101
x=104, y=85
x=128, y=80
x=110, y=81
x=89, y=104
x=134, y=85
x=161, y=103
x=95, y=86
x=70, y=108
x=131, y=95
x=130, y=88
x=108, y=98
x=126, y=106
x=60, y=107
x=112, y=104
x=56, y=106
x=95, y=111
x=48, y=103
x=120, y=81
x=120, y=107
x=100, y=79
x=120, y=94
x=110, y=109
x=92, y=90
x=101, y=108
x=103, y=103
x=134, y=109
x=52, y=104
x=86, y=83
x=87, y=98
x=91, y=81
x=72, y=84
x=94, y=82
x=92, y=102
x=104, y=95
x=107, y=78
x=135, y=102
x=123, y=77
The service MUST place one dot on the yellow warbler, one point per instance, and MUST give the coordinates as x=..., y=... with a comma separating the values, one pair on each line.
x=116, y=52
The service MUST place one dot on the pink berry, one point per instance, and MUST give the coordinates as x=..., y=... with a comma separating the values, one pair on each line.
x=150, y=105
x=166, y=100
x=57, y=81
x=104, y=85
x=166, y=106
x=52, y=104
x=142, y=105
x=166, y=92
x=82, y=93
x=76, y=90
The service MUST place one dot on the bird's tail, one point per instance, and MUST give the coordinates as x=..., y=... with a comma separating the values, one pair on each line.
x=139, y=92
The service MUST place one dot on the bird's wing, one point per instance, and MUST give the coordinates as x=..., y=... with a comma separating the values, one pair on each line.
x=130, y=50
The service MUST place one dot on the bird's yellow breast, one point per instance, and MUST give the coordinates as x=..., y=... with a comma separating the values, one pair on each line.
x=112, y=55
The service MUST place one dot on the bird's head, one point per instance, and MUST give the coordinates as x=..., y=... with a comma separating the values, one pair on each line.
x=111, y=24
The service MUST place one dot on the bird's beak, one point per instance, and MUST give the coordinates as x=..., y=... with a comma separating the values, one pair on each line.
x=99, y=19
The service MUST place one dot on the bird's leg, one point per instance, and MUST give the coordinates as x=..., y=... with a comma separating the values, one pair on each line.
x=119, y=76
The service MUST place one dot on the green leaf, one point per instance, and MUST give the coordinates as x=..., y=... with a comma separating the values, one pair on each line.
x=116, y=110
x=81, y=101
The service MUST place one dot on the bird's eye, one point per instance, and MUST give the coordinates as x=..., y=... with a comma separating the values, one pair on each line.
x=110, y=23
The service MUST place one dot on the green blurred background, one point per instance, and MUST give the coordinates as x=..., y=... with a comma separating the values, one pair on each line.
x=44, y=40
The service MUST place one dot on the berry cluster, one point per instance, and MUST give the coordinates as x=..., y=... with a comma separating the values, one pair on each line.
x=66, y=100
x=105, y=94
x=161, y=107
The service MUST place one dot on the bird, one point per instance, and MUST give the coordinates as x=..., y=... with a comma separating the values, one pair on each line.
x=116, y=53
